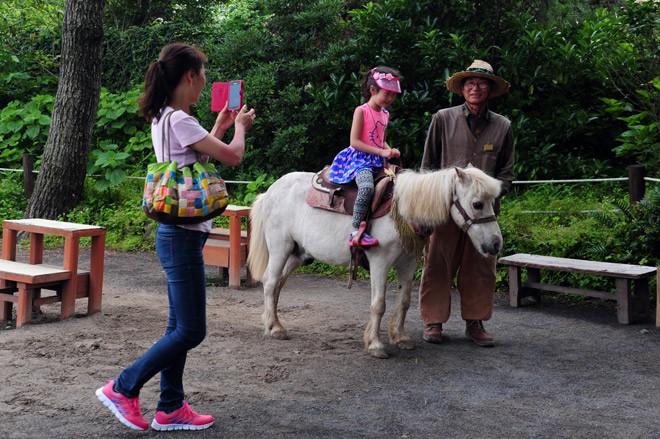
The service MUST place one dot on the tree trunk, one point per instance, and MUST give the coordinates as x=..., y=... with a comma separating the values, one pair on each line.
x=61, y=180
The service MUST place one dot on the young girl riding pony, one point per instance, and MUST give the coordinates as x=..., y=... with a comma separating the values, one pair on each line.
x=369, y=151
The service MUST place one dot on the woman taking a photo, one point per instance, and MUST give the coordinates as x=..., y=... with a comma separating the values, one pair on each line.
x=173, y=83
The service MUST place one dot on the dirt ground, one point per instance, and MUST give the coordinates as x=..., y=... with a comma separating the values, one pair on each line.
x=557, y=371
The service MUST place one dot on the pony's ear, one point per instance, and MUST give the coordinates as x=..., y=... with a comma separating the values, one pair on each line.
x=460, y=173
x=469, y=165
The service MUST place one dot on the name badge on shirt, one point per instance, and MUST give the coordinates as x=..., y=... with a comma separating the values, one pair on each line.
x=488, y=147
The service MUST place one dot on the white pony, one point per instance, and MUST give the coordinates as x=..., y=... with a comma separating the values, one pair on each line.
x=287, y=232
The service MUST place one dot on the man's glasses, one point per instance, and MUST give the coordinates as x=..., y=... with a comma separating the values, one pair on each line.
x=481, y=84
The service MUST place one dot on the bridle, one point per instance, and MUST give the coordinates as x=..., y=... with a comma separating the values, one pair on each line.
x=466, y=218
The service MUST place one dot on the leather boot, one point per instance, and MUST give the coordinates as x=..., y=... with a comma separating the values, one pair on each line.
x=474, y=329
x=433, y=333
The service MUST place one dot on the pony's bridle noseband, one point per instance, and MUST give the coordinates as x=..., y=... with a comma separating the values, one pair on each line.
x=469, y=221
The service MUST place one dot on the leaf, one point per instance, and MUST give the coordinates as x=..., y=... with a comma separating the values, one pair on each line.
x=32, y=131
x=101, y=185
x=115, y=176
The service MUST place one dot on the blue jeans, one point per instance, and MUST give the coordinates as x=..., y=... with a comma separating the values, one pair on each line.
x=180, y=254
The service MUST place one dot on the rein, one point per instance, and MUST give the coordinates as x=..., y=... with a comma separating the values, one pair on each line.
x=469, y=221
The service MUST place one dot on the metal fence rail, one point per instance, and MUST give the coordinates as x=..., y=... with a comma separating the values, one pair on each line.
x=636, y=179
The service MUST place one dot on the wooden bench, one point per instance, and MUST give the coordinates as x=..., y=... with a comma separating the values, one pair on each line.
x=228, y=248
x=218, y=252
x=632, y=303
x=28, y=280
x=81, y=284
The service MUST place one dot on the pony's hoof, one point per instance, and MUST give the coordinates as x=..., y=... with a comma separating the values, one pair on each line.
x=378, y=353
x=280, y=335
x=276, y=332
x=406, y=345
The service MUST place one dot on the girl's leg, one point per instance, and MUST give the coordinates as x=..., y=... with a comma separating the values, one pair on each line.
x=365, y=183
x=180, y=253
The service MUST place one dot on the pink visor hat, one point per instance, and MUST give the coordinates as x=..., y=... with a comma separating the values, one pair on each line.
x=387, y=81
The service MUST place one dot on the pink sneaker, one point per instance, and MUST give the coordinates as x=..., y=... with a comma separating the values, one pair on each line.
x=127, y=410
x=365, y=240
x=181, y=419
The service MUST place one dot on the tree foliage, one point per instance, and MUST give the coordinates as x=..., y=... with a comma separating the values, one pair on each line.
x=29, y=54
x=584, y=96
x=124, y=14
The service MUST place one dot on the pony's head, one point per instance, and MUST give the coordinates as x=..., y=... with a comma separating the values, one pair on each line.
x=466, y=196
x=472, y=208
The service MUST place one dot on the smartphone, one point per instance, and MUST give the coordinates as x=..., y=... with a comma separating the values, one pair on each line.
x=231, y=91
x=235, y=95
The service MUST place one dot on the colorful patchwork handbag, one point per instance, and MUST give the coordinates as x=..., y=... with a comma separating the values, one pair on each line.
x=175, y=195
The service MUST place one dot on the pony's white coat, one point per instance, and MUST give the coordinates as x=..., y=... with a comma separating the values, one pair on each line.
x=287, y=232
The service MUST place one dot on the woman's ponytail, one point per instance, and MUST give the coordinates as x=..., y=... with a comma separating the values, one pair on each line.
x=164, y=75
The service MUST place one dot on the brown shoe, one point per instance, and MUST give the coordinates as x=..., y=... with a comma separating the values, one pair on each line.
x=474, y=329
x=433, y=333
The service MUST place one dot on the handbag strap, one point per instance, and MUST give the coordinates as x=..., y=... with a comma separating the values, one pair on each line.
x=166, y=134
x=165, y=130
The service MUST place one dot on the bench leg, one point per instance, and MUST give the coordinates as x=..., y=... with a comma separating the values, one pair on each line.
x=517, y=290
x=36, y=295
x=641, y=303
x=533, y=275
x=5, y=311
x=70, y=287
x=624, y=311
x=249, y=279
x=5, y=306
x=24, y=306
x=95, y=285
x=514, y=286
x=235, y=252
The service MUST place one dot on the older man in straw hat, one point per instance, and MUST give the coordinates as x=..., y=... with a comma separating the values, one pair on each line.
x=466, y=134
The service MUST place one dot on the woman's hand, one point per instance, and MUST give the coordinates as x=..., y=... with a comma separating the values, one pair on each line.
x=245, y=118
x=225, y=118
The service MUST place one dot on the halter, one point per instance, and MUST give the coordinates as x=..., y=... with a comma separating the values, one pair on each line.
x=469, y=221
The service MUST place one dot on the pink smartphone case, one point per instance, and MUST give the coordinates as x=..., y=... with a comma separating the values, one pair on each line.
x=220, y=95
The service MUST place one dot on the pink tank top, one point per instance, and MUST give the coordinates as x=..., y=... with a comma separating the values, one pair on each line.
x=375, y=123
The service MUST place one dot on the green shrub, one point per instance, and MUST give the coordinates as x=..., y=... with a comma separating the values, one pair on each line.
x=24, y=128
x=641, y=141
x=29, y=48
x=580, y=222
x=635, y=231
x=12, y=200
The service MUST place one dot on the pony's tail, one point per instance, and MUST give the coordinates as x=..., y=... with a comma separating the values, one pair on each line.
x=258, y=255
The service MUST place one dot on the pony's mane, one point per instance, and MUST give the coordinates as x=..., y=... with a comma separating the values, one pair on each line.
x=483, y=185
x=425, y=197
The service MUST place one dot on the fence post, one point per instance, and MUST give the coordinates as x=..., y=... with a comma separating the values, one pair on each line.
x=636, y=183
x=28, y=176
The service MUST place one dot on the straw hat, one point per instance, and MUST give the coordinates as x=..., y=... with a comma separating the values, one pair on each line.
x=479, y=69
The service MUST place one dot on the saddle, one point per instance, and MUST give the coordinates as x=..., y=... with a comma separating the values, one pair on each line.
x=340, y=198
